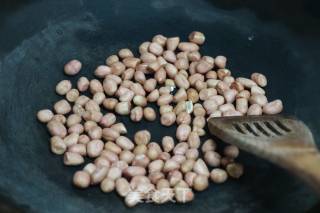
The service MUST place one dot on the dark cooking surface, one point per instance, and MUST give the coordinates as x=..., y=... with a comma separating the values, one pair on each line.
x=38, y=37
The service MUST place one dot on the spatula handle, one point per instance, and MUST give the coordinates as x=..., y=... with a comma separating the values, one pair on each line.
x=305, y=165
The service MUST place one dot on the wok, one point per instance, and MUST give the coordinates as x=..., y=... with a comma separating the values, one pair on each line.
x=278, y=38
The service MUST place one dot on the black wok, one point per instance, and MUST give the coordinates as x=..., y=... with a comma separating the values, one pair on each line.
x=278, y=38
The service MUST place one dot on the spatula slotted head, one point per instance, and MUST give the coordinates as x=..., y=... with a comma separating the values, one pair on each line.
x=262, y=135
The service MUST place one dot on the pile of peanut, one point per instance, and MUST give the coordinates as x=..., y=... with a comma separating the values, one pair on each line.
x=187, y=87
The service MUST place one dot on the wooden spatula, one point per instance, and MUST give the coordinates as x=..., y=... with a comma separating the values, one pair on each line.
x=284, y=141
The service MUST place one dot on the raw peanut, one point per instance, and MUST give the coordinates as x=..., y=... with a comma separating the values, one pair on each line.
x=108, y=120
x=137, y=89
x=144, y=47
x=243, y=94
x=155, y=48
x=141, y=160
x=247, y=83
x=199, y=121
x=89, y=124
x=95, y=86
x=203, y=67
x=72, y=159
x=222, y=73
x=228, y=80
x=257, y=90
x=258, y=99
x=133, y=198
x=110, y=134
x=218, y=175
x=139, y=77
x=182, y=63
x=57, y=145
x=180, y=148
x=153, y=67
x=102, y=162
x=83, y=139
x=260, y=79
x=235, y=170
x=230, y=95
x=183, y=193
x=162, y=184
x=171, y=70
x=220, y=61
x=142, y=137
x=140, y=149
x=193, y=67
x=125, y=143
x=165, y=109
x=90, y=168
x=212, y=158
x=140, y=100
x=212, y=83
x=231, y=151
x=150, y=85
x=183, y=132
x=132, y=171
x=72, y=67
x=126, y=156
x=95, y=132
x=117, y=68
x=181, y=95
x=193, y=95
x=237, y=86
x=81, y=179
x=63, y=87
x=99, y=97
x=179, y=158
x=207, y=93
x=114, y=173
x=120, y=164
x=181, y=81
x=112, y=147
x=102, y=70
x=153, y=96
x=192, y=153
x=78, y=148
x=172, y=43
x=198, y=110
x=111, y=156
x=155, y=166
x=194, y=140
x=168, y=118
x=167, y=143
x=119, y=127
x=125, y=53
x=201, y=168
x=94, y=148
x=208, y=59
x=153, y=153
x=208, y=145
x=170, y=165
x=226, y=107
x=218, y=99
x=83, y=84
x=254, y=109
x=91, y=105
x=188, y=47
x=183, y=118
x=98, y=175
x=195, y=77
x=242, y=105
x=72, y=95
x=222, y=87
x=107, y=185
x=200, y=182
x=211, y=75
x=197, y=37
x=174, y=177
x=165, y=99
x=45, y=115
x=210, y=106
x=62, y=107
x=56, y=128
x=189, y=177
x=160, y=75
x=169, y=56
x=149, y=114
x=187, y=165
x=123, y=108
x=92, y=115
x=109, y=86
x=112, y=59
x=136, y=114
x=273, y=107
x=199, y=131
x=116, y=78
x=131, y=63
x=200, y=85
x=82, y=100
x=160, y=39
x=78, y=109
x=194, y=56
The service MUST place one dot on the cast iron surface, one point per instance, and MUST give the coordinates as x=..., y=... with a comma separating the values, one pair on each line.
x=38, y=37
